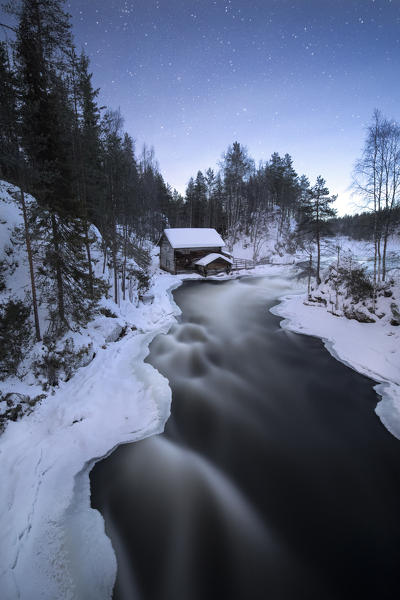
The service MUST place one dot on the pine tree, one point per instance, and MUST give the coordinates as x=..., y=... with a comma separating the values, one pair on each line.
x=199, y=200
x=218, y=200
x=237, y=167
x=190, y=201
x=89, y=178
x=316, y=210
x=112, y=147
x=49, y=135
x=9, y=151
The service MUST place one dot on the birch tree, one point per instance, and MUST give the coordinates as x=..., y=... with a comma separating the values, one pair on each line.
x=377, y=180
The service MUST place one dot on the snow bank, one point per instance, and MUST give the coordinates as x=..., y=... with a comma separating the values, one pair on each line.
x=53, y=544
x=372, y=349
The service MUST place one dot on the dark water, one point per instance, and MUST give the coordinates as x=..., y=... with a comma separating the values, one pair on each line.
x=274, y=478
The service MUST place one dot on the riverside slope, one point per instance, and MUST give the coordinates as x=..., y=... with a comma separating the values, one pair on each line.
x=53, y=544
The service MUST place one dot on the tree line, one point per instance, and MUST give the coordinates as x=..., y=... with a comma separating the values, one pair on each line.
x=241, y=200
x=75, y=158
x=360, y=226
x=377, y=180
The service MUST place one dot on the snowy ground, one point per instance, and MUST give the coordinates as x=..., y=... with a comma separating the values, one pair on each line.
x=53, y=545
x=46, y=458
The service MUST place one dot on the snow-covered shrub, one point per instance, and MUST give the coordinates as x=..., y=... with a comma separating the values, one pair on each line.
x=143, y=281
x=357, y=281
x=60, y=361
x=349, y=278
x=139, y=283
x=103, y=310
x=3, y=270
x=347, y=290
x=15, y=335
x=395, y=310
x=16, y=405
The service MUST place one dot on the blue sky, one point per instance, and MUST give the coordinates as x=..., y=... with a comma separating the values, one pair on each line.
x=298, y=76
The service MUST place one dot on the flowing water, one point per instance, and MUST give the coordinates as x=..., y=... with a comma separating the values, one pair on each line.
x=274, y=478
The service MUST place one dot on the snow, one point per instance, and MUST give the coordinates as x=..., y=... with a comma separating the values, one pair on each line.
x=186, y=237
x=46, y=458
x=53, y=545
x=206, y=260
x=11, y=217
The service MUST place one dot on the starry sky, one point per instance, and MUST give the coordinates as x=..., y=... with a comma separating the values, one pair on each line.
x=296, y=76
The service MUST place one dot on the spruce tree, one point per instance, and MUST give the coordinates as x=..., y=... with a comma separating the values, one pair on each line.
x=200, y=201
x=44, y=52
x=9, y=151
x=190, y=201
x=237, y=168
x=316, y=210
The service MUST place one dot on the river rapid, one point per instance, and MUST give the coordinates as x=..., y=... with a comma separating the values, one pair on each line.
x=274, y=478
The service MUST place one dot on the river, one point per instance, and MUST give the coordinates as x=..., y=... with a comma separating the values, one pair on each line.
x=274, y=478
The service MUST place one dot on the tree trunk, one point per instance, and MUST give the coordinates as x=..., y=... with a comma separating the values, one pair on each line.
x=385, y=241
x=379, y=258
x=386, y=237
x=337, y=277
x=59, y=278
x=318, y=257
x=124, y=264
x=114, y=257
x=104, y=254
x=309, y=277
x=31, y=270
x=87, y=246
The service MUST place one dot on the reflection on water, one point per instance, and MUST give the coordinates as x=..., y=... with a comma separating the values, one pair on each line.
x=274, y=477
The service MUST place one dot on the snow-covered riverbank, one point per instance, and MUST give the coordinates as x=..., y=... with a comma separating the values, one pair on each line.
x=46, y=458
x=53, y=544
x=370, y=348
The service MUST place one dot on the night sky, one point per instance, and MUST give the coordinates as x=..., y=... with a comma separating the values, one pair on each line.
x=298, y=76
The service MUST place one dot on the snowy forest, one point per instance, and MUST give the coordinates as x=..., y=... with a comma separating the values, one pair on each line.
x=91, y=201
x=75, y=159
x=199, y=387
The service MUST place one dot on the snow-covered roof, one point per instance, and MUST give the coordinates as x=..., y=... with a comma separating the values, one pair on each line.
x=206, y=260
x=192, y=237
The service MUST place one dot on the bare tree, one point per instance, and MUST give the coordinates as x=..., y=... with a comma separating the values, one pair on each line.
x=377, y=179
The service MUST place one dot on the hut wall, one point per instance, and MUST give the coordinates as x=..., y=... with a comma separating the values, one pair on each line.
x=167, y=256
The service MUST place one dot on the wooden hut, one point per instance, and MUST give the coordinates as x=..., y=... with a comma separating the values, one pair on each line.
x=181, y=249
x=213, y=263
